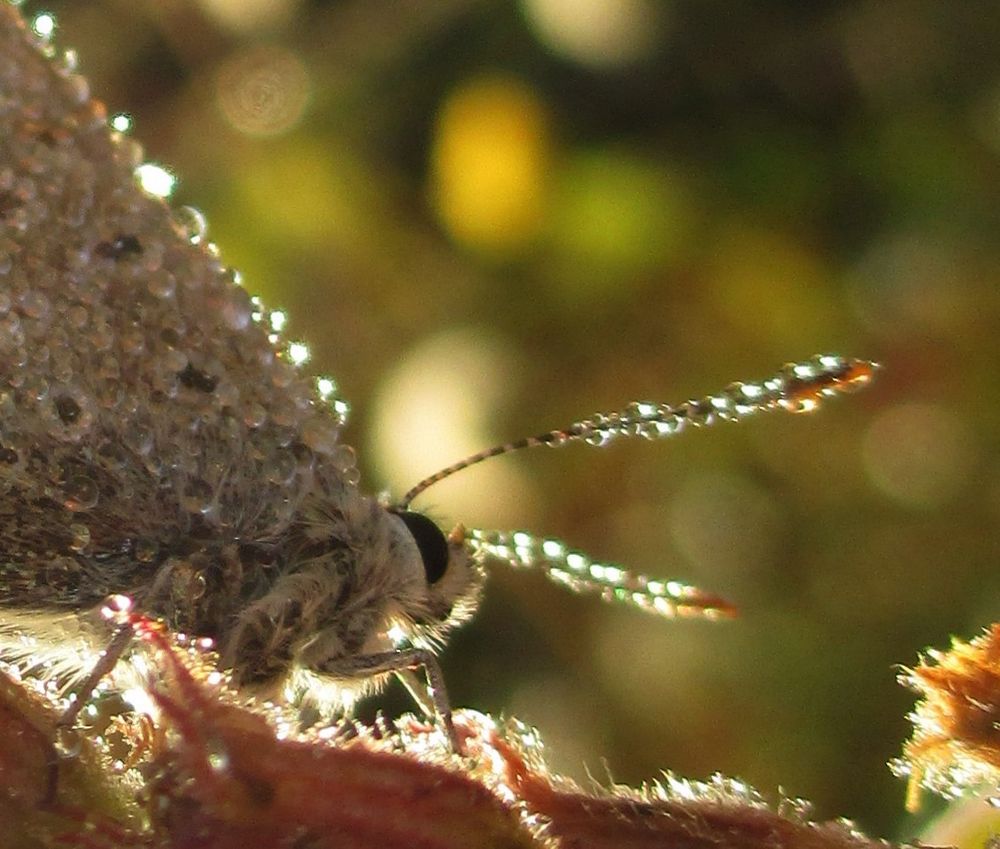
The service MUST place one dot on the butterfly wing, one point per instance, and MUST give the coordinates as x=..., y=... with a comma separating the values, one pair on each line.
x=146, y=408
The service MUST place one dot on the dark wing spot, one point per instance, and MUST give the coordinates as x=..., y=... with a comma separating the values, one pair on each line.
x=8, y=202
x=194, y=378
x=67, y=409
x=122, y=246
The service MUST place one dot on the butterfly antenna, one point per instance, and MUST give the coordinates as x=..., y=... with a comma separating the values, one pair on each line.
x=553, y=437
x=798, y=387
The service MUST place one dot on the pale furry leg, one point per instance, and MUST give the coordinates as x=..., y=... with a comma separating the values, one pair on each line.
x=402, y=663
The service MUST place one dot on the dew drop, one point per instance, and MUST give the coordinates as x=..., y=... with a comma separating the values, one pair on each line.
x=193, y=224
x=254, y=415
x=187, y=583
x=648, y=430
x=236, y=309
x=161, y=284
x=698, y=413
x=34, y=304
x=139, y=439
x=44, y=25
x=280, y=468
x=218, y=760
x=196, y=586
x=176, y=361
x=77, y=87
x=132, y=341
x=70, y=60
x=77, y=317
x=80, y=493
x=35, y=387
x=68, y=742
x=344, y=458
x=320, y=436
x=197, y=496
x=145, y=550
x=79, y=536
x=341, y=410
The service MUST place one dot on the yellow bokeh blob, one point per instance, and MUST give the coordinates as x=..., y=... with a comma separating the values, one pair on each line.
x=490, y=164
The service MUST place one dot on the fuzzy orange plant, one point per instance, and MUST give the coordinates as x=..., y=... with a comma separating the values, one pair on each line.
x=956, y=739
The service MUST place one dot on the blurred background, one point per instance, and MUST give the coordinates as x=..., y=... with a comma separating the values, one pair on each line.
x=489, y=219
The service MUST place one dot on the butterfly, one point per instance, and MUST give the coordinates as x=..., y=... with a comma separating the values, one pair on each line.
x=160, y=445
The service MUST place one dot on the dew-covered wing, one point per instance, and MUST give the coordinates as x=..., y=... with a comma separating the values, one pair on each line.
x=143, y=400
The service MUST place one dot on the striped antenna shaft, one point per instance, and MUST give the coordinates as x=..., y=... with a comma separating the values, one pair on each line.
x=581, y=574
x=798, y=387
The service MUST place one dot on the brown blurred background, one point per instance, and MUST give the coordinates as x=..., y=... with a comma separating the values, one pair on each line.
x=492, y=218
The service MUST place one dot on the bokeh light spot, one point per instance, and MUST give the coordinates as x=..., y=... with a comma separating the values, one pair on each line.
x=598, y=32
x=248, y=15
x=490, y=163
x=439, y=405
x=264, y=91
x=890, y=45
x=914, y=282
x=967, y=824
x=919, y=454
x=725, y=526
x=615, y=216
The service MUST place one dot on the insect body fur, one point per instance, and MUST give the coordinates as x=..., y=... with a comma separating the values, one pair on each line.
x=313, y=595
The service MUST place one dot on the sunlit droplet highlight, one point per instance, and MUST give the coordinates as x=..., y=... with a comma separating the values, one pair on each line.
x=156, y=180
x=298, y=353
x=122, y=122
x=44, y=25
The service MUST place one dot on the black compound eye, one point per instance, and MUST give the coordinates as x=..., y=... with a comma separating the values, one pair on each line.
x=430, y=541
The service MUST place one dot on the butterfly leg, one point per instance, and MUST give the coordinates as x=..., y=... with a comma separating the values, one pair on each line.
x=416, y=686
x=106, y=662
x=432, y=698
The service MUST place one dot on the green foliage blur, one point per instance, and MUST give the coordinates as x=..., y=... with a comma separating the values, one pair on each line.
x=492, y=218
